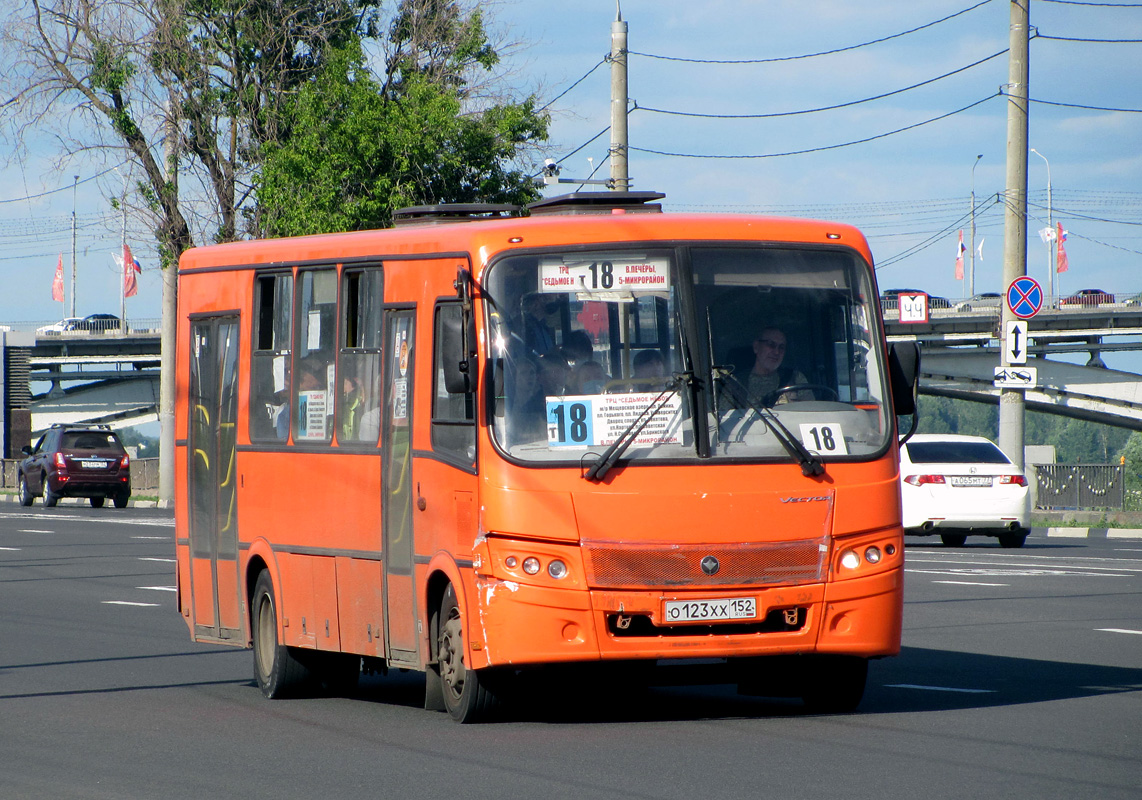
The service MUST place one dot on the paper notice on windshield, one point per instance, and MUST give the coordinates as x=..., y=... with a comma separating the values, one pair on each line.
x=600, y=419
x=605, y=276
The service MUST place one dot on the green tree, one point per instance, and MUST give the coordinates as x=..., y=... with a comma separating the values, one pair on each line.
x=362, y=145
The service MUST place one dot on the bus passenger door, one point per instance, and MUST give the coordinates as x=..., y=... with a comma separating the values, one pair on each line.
x=213, y=525
x=401, y=638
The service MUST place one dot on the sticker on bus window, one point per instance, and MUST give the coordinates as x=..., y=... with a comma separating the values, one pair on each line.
x=598, y=420
x=311, y=414
x=824, y=438
x=603, y=276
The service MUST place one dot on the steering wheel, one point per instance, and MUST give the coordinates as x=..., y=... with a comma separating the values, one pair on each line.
x=801, y=387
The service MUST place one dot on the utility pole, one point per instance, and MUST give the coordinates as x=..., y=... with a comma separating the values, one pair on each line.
x=1011, y=401
x=74, y=186
x=167, y=335
x=620, y=178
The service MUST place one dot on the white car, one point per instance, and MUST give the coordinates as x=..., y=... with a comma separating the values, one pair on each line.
x=958, y=485
x=65, y=324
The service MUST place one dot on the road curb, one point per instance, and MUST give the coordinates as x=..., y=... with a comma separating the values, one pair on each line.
x=1088, y=533
x=79, y=501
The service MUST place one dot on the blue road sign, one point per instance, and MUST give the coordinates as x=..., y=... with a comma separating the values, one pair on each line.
x=1024, y=297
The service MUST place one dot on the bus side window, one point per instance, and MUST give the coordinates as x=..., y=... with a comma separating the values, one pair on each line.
x=453, y=414
x=359, y=365
x=314, y=348
x=270, y=371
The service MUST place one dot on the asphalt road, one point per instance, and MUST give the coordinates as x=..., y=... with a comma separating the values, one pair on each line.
x=1021, y=677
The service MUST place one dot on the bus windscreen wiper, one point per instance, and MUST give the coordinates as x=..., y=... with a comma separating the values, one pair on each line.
x=603, y=464
x=810, y=464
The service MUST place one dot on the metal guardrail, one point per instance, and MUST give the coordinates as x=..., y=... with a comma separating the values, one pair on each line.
x=144, y=474
x=1080, y=486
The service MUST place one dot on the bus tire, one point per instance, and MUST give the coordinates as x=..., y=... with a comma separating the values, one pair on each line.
x=278, y=671
x=468, y=696
x=834, y=684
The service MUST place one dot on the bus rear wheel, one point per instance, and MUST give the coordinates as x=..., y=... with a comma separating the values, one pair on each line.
x=468, y=696
x=278, y=671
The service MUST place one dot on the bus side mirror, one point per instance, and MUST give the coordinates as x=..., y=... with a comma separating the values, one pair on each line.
x=458, y=363
x=904, y=376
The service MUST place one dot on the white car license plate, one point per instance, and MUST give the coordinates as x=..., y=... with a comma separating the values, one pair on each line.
x=93, y=464
x=725, y=608
x=971, y=480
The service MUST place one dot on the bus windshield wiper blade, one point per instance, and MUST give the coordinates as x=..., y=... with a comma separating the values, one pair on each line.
x=603, y=464
x=810, y=464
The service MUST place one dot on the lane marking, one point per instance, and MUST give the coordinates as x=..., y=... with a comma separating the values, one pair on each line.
x=161, y=560
x=153, y=538
x=32, y=530
x=938, y=688
x=126, y=603
x=972, y=583
x=13, y=549
x=1118, y=630
x=1014, y=573
x=158, y=588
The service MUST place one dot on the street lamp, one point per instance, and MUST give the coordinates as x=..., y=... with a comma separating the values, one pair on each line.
x=1051, y=244
x=971, y=269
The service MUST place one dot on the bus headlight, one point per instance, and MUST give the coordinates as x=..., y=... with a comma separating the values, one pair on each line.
x=872, y=555
x=531, y=565
x=557, y=569
x=850, y=559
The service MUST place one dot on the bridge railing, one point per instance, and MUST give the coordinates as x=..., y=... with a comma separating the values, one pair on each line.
x=1080, y=486
x=144, y=475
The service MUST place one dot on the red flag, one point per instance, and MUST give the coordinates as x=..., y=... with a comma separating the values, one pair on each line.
x=130, y=267
x=960, y=258
x=1061, y=262
x=57, y=284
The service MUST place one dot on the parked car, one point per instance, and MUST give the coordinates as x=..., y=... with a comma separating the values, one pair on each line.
x=955, y=485
x=984, y=300
x=888, y=298
x=1087, y=297
x=76, y=461
x=56, y=328
x=98, y=323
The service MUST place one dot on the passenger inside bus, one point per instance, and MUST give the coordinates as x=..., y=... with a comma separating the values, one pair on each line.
x=577, y=348
x=538, y=338
x=588, y=377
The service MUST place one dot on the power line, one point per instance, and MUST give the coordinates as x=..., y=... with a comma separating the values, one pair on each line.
x=1088, y=41
x=820, y=149
x=1087, y=108
x=552, y=102
x=810, y=55
x=824, y=108
x=62, y=188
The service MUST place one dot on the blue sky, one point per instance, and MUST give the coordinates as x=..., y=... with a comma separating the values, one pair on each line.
x=909, y=191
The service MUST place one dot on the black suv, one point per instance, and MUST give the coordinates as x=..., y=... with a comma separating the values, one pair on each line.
x=76, y=461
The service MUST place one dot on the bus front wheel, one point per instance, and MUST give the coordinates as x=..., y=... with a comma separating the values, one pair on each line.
x=468, y=696
x=834, y=684
x=279, y=673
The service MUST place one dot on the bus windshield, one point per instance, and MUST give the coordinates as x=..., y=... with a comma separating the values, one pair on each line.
x=770, y=348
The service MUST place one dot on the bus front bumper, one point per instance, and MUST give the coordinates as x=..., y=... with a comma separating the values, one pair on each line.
x=518, y=624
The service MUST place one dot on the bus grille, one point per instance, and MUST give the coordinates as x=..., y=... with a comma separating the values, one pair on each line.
x=621, y=565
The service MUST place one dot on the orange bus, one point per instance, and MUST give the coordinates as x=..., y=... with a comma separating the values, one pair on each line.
x=478, y=443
